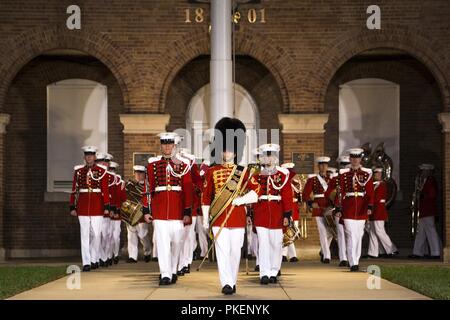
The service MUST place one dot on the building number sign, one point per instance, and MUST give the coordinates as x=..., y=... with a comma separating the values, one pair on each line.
x=197, y=15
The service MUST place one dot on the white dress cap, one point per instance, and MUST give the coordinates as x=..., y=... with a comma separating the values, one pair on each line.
x=172, y=136
x=323, y=159
x=355, y=152
x=269, y=147
x=113, y=165
x=89, y=149
x=139, y=168
x=288, y=165
x=426, y=166
x=344, y=159
x=109, y=156
x=100, y=156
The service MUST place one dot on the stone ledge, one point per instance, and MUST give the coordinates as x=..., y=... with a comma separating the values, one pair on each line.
x=56, y=197
x=444, y=120
x=144, y=123
x=4, y=121
x=303, y=123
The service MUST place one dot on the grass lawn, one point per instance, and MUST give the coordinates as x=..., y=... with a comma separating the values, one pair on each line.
x=431, y=281
x=16, y=279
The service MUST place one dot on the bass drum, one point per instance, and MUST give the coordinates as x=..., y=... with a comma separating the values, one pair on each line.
x=291, y=234
x=131, y=212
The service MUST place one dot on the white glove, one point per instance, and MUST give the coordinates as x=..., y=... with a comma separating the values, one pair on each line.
x=205, y=212
x=249, y=197
x=296, y=223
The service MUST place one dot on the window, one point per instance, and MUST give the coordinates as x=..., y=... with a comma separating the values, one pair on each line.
x=76, y=116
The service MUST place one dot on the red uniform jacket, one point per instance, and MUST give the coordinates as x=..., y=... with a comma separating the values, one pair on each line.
x=90, y=186
x=379, y=211
x=296, y=196
x=270, y=214
x=112, y=193
x=168, y=204
x=314, y=191
x=357, y=181
x=121, y=195
x=215, y=178
x=428, y=198
x=197, y=184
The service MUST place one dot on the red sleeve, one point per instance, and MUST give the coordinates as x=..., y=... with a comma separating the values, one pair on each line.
x=252, y=183
x=150, y=179
x=196, y=178
x=105, y=189
x=286, y=197
x=207, y=193
x=331, y=187
x=307, y=190
x=187, y=189
x=369, y=192
x=383, y=191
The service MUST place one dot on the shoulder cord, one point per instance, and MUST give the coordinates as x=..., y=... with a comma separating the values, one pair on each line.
x=286, y=178
x=95, y=179
x=179, y=175
x=355, y=178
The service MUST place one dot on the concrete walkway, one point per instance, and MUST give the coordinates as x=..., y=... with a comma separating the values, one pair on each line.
x=303, y=280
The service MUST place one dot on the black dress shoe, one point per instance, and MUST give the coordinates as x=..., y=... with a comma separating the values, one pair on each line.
x=131, y=260
x=174, y=279
x=321, y=256
x=186, y=270
x=326, y=261
x=155, y=259
x=284, y=259
x=293, y=259
x=116, y=260
x=234, y=289
x=164, y=281
x=343, y=263
x=102, y=263
x=265, y=280
x=147, y=258
x=227, y=290
x=110, y=262
x=354, y=268
x=273, y=280
x=434, y=257
x=365, y=256
x=180, y=273
x=94, y=266
x=413, y=256
x=86, y=268
x=257, y=268
x=279, y=273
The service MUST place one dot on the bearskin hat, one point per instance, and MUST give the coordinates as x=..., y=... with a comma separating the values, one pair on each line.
x=232, y=138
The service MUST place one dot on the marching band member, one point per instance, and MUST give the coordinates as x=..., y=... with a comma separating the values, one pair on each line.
x=344, y=162
x=201, y=231
x=314, y=194
x=426, y=231
x=377, y=233
x=140, y=231
x=106, y=245
x=170, y=188
x=116, y=221
x=89, y=201
x=356, y=186
x=272, y=212
x=229, y=227
x=189, y=243
x=289, y=252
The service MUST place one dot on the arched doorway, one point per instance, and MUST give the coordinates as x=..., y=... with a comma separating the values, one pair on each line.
x=198, y=114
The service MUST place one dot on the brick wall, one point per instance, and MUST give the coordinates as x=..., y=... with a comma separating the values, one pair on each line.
x=30, y=222
x=420, y=131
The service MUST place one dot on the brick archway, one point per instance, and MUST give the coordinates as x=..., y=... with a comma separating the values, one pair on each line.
x=315, y=82
x=248, y=42
x=23, y=48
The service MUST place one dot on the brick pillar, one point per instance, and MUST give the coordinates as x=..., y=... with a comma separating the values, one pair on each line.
x=4, y=120
x=139, y=135
x=444, y=119
x=304, y=133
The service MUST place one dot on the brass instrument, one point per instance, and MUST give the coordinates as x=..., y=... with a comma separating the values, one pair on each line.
x=131, y=210
x=291, y=234
x=330, y=223
x=418, y=185
x=298, y=183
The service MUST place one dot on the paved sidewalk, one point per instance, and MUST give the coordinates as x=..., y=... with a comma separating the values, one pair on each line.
x=302, y=280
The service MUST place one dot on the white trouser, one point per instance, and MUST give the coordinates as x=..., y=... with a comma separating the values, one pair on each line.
x=249, y=239
x=270, y=251
x=354, y=231
x=377, y=234
x=255, y=246
x=202, y=236
x=115, y=237
x=342, y=246
x=168, y=236
x=155, y=249
x=228, y=251
x=186, y=253
x=325, y=237
x=105, y=247
x=134, y=234
x=426, y=233
x=90, y=235
x=290, y=251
